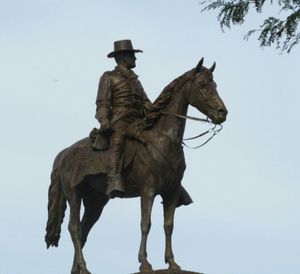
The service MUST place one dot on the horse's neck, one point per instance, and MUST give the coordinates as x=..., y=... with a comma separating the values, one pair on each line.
x=170, y=125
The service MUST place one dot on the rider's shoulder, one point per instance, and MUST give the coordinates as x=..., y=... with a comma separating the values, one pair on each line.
x=107, y=74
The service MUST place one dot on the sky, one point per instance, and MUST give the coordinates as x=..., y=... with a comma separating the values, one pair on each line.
x=245, y=218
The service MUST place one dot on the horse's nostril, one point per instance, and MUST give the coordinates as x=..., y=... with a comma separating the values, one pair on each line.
x=222, y=112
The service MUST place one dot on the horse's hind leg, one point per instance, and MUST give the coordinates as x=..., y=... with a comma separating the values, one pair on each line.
x=94, y=203
x=79, y=265
x=169, y=203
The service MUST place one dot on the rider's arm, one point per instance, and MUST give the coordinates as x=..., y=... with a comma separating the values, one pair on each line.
x=103, y=101
x=146, y=102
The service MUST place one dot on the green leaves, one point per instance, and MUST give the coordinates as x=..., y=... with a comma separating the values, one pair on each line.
x=229, y=12
x=281, y=31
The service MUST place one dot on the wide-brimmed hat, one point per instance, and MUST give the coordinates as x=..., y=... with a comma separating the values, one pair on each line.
x=122, y=46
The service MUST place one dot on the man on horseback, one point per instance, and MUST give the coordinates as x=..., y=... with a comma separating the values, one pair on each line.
x=120, y=101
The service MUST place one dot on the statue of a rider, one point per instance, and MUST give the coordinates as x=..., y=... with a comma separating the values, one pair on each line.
x=121, y=100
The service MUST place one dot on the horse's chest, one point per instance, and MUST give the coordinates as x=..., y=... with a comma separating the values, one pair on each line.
x=169, y=163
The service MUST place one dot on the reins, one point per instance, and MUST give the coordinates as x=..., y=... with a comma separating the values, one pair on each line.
x=214, y=129
x=186, y=117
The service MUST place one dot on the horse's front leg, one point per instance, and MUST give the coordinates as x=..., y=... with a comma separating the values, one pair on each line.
x=146, y=208
x=170, y=203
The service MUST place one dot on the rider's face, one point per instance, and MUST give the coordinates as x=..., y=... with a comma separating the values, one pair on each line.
x=128, y=59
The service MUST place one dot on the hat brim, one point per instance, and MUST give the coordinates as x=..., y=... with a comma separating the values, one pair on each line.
x=113, y=53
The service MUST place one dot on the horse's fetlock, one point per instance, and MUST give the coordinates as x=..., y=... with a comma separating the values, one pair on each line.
x=145, y=227
x=168, y=227
x=169, y=257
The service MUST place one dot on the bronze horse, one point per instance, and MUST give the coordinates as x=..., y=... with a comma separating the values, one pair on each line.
x=156, y=167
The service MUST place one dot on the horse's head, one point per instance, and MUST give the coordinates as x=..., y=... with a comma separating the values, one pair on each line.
x=203, y=94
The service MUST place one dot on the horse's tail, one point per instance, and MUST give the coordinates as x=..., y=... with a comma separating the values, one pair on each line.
x=56, y=209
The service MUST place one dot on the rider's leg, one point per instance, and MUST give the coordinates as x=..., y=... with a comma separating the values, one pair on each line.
x=115, y=182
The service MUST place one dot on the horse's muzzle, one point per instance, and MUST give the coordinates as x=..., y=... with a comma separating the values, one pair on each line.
x=220, y=116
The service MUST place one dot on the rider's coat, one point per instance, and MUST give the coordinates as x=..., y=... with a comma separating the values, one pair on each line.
x=120, y=97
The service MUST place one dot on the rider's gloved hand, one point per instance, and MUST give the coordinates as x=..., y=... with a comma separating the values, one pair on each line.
x=106, y=128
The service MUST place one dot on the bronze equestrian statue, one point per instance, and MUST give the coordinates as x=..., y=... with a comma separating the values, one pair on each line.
x=121, y=100
x=152, y=164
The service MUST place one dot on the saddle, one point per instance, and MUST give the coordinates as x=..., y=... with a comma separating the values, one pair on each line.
x=100, y=140
x=85, y=160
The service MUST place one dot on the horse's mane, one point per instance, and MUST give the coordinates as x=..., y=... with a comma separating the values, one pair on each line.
x=163, y=100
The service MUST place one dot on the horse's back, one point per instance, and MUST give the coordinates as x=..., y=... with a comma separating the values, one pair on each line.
x=79, y=160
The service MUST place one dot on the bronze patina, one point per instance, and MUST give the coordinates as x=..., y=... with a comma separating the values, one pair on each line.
x=152, y=160
x=121, y=100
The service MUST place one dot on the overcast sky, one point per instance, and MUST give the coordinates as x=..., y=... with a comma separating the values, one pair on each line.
x=245, y=218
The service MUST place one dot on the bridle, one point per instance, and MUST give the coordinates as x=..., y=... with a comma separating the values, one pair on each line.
x=215, y=129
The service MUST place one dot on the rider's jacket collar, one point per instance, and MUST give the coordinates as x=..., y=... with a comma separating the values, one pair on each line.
x=127, y=73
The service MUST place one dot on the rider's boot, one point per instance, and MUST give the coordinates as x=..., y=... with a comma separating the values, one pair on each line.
x=115, y=186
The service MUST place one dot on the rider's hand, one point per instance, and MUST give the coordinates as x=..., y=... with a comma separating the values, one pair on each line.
x=105, y=126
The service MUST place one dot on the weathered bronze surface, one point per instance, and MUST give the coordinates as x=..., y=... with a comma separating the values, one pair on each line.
x=152, y=161
x=121, y=101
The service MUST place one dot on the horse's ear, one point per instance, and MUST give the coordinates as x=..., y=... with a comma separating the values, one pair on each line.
x=198, y=67
x=213, y=67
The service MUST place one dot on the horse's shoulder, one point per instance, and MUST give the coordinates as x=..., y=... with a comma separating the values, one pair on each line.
x=163, y=144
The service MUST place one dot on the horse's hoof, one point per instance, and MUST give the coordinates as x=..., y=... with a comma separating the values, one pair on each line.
x=80, y=271
x=85, y=272
x=146, y=267
x=75, y=270
x=174, y=267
